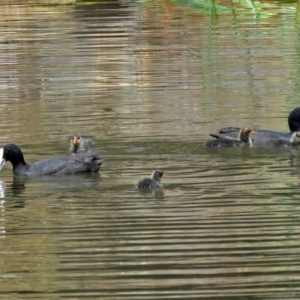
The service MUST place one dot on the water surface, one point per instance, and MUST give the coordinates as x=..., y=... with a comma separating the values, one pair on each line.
x=148, y=81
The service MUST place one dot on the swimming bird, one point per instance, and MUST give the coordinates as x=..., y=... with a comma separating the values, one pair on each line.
x=243, y=139
x=79, y=144
x=153, y=182
x=58, y=165
x=262, y=136
x=293, y=142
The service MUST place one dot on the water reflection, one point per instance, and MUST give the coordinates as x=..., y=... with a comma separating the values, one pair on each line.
x=149, y=81
x=157, y=193
x=72, y=182
x=2, y=189
x=2, y=209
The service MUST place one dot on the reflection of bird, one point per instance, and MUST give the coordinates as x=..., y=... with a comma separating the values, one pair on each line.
x=262, y=136
x=79, y=144
x=2, y=189
x=153, y=182
x=244, y=138
x=57, y=165
x=293, y=142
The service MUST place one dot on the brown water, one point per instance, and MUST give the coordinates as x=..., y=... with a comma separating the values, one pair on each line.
x=149, y=81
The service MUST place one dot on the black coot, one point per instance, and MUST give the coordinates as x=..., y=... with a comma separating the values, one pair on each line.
x=58, y=165
x=79, y=144
x=153, y=182
x=293, y=142
x=243, y=139
x=262, y=137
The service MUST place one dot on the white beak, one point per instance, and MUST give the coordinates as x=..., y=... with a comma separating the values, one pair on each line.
x=2, y=160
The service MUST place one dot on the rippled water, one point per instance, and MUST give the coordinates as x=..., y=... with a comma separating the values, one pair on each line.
x=148, y=81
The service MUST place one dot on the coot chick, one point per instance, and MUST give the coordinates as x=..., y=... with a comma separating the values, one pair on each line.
x=153, y=182
x=262, y=136
x=58, y=165
x=244, y=138
x=79, y=144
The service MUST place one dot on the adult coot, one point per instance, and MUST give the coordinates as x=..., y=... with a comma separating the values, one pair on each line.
x=153, y=182
x=79, y=144
x=262, y=137
x=243, y=139
x=293, y=142
x=58, y=165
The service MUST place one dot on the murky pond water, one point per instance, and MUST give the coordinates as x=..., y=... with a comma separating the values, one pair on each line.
x=148, y=81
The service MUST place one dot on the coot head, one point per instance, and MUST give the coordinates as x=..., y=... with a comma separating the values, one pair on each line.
x=294, y=119
x=12, y=153
x=245, y=134
x=75, y=143
x=80, y=144
x=157, y=175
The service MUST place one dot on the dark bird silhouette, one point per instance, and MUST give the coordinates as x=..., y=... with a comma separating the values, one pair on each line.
x=58, y=165
x=262, y=137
